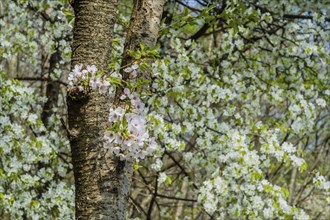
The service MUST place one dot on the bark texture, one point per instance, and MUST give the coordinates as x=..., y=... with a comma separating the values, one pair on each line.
x=93, y=30
x=144, y=27
x=102, y=182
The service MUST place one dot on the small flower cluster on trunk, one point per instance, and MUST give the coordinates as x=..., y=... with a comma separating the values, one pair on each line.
x=84, y=78
x=128, y=137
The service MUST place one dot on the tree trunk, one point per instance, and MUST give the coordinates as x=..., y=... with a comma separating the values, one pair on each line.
x=144, y=27
x=102, y=182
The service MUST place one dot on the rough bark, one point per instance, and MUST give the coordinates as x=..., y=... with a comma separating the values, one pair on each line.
x=144, y=27
x=93, y=30
x=102, y=182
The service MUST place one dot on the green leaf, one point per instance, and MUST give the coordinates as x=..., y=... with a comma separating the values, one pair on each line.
x=168, y=180
x=136, y=55
x=303, y=167
x=124, y=122
x=145, y=66
x=137, y=166
x=68, y=14
x=115, y=80
x=142, y=47
x=285, y=192
x=34, y=203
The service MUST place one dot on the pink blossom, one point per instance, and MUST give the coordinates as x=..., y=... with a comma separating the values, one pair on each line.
x=154, y=85
x=142, y=154
x=118, y=139
x=152, y=144
x=116, y=114
x=136, y=123
x=128, y=70
x=77, y=69
x=134, y=96
x=130, y=141
x=92, y=69
x=72, y=78
x=135, y=66
x=125, y=94
x=109, y=136
x=138, y=104
x=141, y=138
x=133, y=74
x=84, y=73
x=104, y=87
x=94, y=82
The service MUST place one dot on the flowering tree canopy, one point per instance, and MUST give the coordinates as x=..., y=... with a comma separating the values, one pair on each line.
x=225, y=117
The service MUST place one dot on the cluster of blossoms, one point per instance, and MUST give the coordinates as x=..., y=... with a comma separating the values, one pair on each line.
x=133, y=70
x=30, y=159
x=27, y=32
x=322, y=184
x=87, y=77
x=236, y=131
x=128, y=137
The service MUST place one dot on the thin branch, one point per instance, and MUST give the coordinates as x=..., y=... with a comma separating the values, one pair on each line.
x=179, y=165
x=153, y=199
x=200, y=32
x=137, y=205
x=177, y=198
x=204, y=3
x=306, y=17
x=40, y=79
x=187, y=6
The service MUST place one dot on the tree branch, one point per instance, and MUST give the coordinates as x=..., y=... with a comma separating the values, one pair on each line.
x=187, y=6
x=306, y=17
x=177, y=198
x=40, y=79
